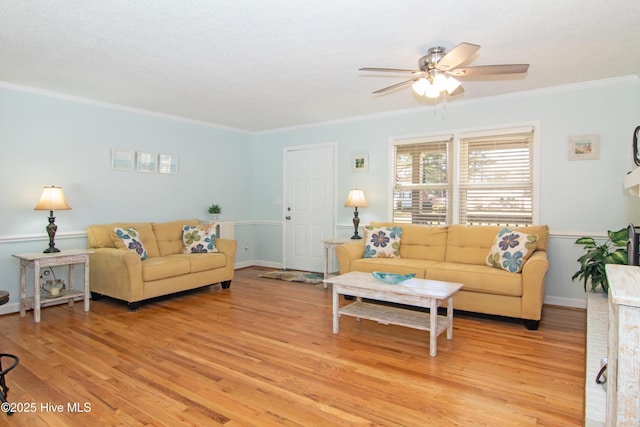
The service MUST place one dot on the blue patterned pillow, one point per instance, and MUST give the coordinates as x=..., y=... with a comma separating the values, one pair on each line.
x=511, y=249
x=382, y=242
x=199, y=239
x=131, y=240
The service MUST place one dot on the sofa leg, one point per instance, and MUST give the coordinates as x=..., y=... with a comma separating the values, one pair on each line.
x=133, y=306
x=226, y=284
x=96, y=296
x=531, y=325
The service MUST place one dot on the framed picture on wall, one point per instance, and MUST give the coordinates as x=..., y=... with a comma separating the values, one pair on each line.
x=168, y=163
x=360, y=162
x=584, y=147
x=146, y=162
x=122, y=160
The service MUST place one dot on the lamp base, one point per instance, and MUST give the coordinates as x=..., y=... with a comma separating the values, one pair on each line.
x=51, y=231
x=356, y=222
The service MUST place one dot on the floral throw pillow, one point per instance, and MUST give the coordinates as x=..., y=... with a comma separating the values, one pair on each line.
x=382, y=242
x=199, y=239
x=131, y=239
x=511, y=249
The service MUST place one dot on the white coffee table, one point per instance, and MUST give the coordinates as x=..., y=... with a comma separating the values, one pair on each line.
x=429, y=294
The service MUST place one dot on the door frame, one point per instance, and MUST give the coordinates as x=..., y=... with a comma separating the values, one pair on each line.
x=334, y=208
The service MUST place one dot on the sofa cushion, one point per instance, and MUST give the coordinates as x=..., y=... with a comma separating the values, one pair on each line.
x=157, y=268
x=199, y=239
x=131, y=240
x=203, y=262
x=382, y=242
x=470, y=244
x=511, y=249
x=421, y=241
x=169, y=235
x=477, y=278
x=103, y=236
x=392, y=265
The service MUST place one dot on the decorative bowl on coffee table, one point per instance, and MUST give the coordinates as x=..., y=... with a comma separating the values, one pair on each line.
x=392, y=278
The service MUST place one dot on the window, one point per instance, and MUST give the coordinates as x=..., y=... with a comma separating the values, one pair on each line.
x=423, y=181
x=494, y=182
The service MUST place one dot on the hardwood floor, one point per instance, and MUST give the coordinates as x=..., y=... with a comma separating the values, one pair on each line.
x=263, y=353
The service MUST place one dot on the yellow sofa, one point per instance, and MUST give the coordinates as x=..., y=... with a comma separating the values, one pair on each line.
x=119, y=273
x=458, y=253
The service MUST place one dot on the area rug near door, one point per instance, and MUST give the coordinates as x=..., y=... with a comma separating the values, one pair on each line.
x=294, y=276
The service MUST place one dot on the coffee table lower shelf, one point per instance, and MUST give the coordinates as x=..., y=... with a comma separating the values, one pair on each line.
x=388, y=315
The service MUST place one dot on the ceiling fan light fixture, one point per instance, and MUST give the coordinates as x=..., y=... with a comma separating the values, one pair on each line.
x=431, y=91
x=451, y=85
x=440, y=82
x=420, y=86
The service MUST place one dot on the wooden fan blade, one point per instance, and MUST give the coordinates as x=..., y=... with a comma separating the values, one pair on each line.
x=484, y=70
x=457, y=56
x=389, y=70
x=395, y=86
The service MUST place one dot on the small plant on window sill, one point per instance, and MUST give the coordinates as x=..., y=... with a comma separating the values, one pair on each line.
x=593, y=262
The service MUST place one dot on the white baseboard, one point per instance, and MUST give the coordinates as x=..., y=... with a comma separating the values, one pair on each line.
x=253, y=263
x=566, y=302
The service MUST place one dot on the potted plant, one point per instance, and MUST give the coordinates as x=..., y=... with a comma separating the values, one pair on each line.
x=593, y=262
x=215, y=210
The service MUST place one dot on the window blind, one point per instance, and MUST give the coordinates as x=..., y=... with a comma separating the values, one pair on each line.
x=496, y=179
x=423, y=183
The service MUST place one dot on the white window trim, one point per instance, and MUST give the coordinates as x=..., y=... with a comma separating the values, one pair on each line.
x=457, y=134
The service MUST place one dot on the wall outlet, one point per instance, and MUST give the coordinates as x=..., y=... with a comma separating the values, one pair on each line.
x=246, y=247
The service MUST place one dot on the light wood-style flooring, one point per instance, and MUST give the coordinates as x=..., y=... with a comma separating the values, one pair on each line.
x=262, y=353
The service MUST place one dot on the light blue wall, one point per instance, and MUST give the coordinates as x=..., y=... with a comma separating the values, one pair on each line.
x=48, y=140
x=576, y=197
x=52, y=141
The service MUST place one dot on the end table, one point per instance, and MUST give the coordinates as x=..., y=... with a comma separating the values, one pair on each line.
x=38, y=260
x=328, y=244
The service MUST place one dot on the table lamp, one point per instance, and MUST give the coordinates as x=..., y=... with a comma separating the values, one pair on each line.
x=356, y=200
x=52, y=199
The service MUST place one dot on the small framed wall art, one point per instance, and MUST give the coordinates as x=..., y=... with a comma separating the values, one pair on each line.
x=360, y=162
x=584, y=147
x=168, y=163
x=122, y=160
x=146, y=162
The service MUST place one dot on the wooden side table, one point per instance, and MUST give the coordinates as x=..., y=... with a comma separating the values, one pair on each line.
x=328, y=244
x=38, y=260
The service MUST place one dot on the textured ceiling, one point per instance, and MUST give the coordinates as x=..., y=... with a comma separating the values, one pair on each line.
x=265, y=64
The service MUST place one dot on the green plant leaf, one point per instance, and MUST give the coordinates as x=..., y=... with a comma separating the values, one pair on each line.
x=619, y=238
x=588, y=242
x=598, y=255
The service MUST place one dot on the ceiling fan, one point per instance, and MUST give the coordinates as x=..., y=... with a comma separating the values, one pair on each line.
x=439, y=71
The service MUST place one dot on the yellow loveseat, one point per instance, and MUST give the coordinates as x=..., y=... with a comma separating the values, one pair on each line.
x=120, y=273
x=458, y=253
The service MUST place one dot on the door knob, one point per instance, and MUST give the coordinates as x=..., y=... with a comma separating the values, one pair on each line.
x=288, y=218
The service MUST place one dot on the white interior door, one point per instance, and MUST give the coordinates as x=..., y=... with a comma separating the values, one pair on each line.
x=309, y=205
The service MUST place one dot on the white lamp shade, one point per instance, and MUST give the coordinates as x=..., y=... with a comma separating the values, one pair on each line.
x=451, y=85
x=431, y=91
x=52, y=199
x=356, y=199
x=420, y=85
x=440, y=82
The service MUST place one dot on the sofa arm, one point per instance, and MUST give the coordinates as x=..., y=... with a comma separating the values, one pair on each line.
x=533, y=285
x=229, y=248
x=116, y=273
x=348, y=252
